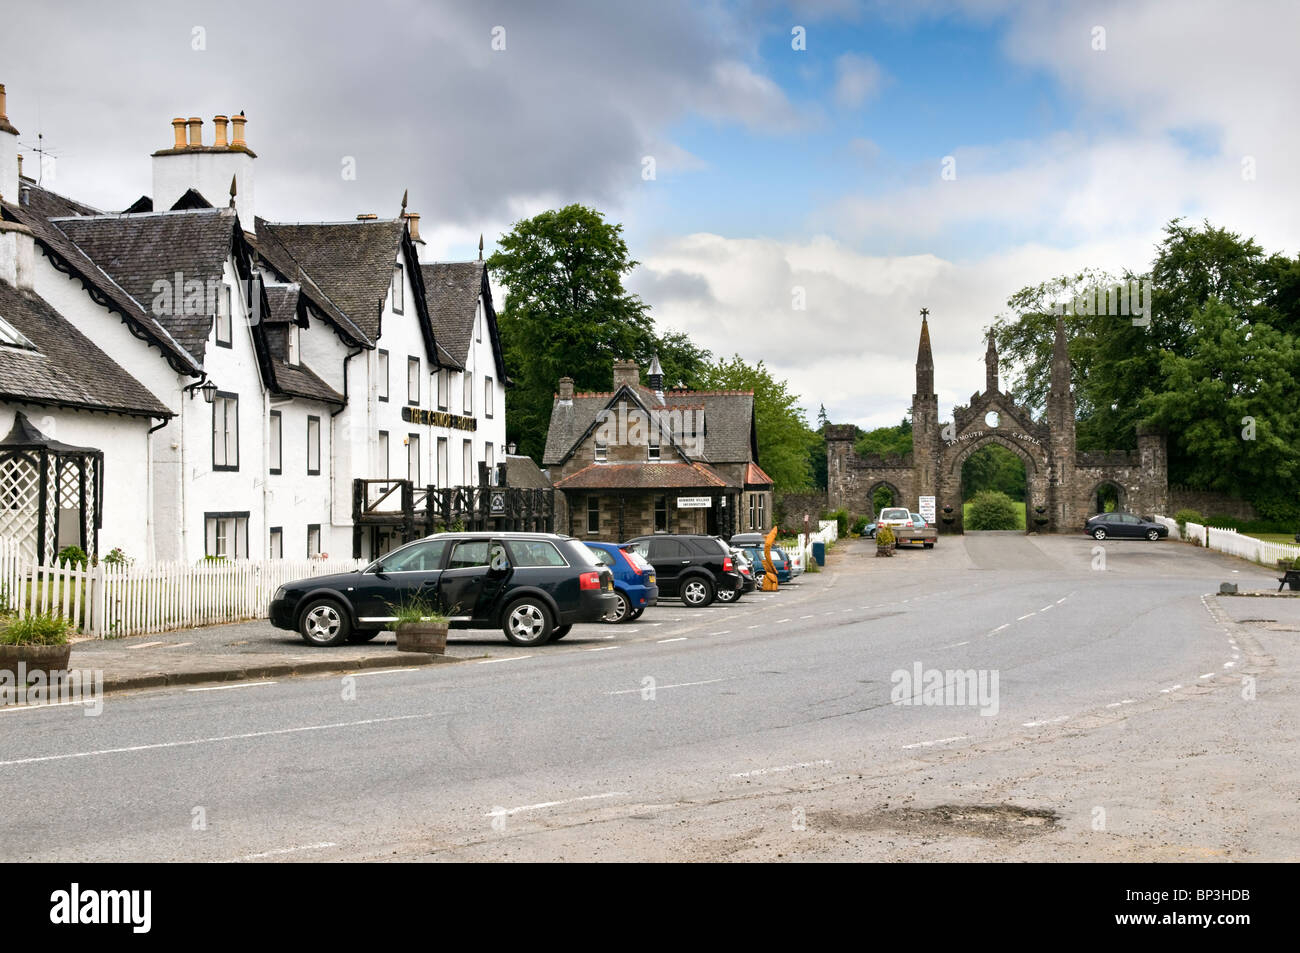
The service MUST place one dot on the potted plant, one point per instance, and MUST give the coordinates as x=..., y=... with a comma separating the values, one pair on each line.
x=38, y=643
x=885, y=541
x=947, y=514
x=420, y=627
x=1040, y=515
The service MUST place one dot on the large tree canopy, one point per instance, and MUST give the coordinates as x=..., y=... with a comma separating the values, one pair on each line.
x=566, y=313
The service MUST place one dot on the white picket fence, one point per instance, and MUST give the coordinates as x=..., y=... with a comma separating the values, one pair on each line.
x=137, y=599
x=1233, y=543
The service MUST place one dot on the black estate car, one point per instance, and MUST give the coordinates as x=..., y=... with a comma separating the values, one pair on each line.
x=535, y=586
x=694, y=568
x=1117, y=525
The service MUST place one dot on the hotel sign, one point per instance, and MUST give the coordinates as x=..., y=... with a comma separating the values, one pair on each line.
x=438, y=418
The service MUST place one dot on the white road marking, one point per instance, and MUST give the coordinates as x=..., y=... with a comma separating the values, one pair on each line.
x=1048, y=721
x=845, y=610
x=754, y=626
x=680, y=638
x=179, y=645
x=224, y=688
x=1208, y=675
x=1128, y=701
x=954, y=645
x=382, y=671
x=1046, y=607
x=814, y=615
x=218, y=738
x=1006, y=625
x=1024, y=617
x=723, y=632
x=288, y=850
x=603, y=648
x=1062, y=599
x=828, y=613
x=1229, y=664
x=784, y=767
x=143, y=645
x=656, y=623
x=779, y=621
x=512, y=658
x=1114, y=704
x=658, y=688
x=937, y=741
x=507, y=812
x=8, y=708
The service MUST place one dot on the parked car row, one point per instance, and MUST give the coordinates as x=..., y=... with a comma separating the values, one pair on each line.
x=533, y=586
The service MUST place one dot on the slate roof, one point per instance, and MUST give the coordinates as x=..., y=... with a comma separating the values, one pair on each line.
x=452, y=290
x=522, y=471
x=137, y=250
x=301, y=381
x=281, y=260
x=67, y=257
x=351, y=262
x=728, y=421
x=67, y=369
x=642, y=476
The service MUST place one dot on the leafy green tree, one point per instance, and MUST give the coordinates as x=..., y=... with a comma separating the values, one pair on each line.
x=682, y=361
x=993, y=467
x=784, y=439
x=886, y=440
x=566, y=312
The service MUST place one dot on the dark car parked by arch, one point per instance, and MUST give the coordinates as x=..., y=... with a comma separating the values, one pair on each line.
x=533, y=586
x=692, y=568
x=1124, y=525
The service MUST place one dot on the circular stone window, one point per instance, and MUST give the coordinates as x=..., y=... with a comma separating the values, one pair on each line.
x=992, y=419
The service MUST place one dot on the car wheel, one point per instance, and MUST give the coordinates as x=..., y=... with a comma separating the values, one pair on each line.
x=1098, y=533
x=363, y=635
x=635, y=614
x=528, y=622
x=929, y=545
x=729, y=595
x=1153, y=535
x=697, y=592
x=323, y=622
x=560, y=631
x=621, y=612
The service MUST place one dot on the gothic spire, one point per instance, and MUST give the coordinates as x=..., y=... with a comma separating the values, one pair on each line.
x=924, y=359
x=991, y=366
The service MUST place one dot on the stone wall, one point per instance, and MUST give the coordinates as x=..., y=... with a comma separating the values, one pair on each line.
x=1209, y=503
x=791, y=507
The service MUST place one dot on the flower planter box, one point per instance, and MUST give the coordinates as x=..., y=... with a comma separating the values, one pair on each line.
x=35, y=658
x=428, y=637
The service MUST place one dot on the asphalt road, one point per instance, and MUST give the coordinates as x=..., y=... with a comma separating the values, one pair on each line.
x=756, y=731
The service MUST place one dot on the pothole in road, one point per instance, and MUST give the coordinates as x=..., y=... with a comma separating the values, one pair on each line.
x=990, y=821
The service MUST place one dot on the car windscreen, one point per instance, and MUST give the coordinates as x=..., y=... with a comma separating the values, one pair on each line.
x=895, y=514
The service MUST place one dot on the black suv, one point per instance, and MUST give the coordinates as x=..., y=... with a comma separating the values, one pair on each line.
x=694, y=568
x=535, y=586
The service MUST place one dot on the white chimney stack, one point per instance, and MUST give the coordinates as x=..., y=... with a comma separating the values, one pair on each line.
x=207, y=169
x=17, y=255
x=8, y=155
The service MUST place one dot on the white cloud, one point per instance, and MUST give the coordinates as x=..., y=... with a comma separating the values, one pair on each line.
x=857, y=79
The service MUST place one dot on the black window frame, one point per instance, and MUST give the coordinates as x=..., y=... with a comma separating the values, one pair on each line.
x=593, y=509
x=272, y=533
x=226, y=299
x=316, y=419
x=277, y=443
x=225, y=467
x=412, y=360
x=442, y=388
x=388, y=463
x=661, y=506
x=399, y=288
x=489, y=405
x=316, y=527
x=385, y=364
x=227, y=515
x=414, y=478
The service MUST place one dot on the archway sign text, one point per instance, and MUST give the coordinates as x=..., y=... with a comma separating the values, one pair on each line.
x=976, y=434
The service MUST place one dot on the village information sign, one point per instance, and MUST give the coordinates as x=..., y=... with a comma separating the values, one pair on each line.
x=694, y=502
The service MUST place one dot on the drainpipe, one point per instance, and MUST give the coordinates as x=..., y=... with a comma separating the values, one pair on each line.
x=333, y=442
x=148, y=487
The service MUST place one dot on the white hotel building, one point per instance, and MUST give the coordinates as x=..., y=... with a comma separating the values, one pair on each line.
x=207, y=383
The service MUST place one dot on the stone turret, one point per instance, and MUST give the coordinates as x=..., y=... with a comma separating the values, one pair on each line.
x=1060, y=419
x=925, y=418
x=991, y=367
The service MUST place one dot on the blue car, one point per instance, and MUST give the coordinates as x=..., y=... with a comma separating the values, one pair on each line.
x=780, y=561
x=634, y=580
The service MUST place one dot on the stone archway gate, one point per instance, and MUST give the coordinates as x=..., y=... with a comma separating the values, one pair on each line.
x=1058, y=478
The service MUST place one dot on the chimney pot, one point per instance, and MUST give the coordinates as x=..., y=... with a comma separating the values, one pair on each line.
x=178, y=127
x=413, y=226
x=367, y=217
x=566, y=388
x=196, y=132
x=220, y=123
x=237, y=132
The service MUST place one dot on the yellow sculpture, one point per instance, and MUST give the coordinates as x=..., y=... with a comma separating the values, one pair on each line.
x=769, y=570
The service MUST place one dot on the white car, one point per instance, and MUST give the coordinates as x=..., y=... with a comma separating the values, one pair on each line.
x=895, y=517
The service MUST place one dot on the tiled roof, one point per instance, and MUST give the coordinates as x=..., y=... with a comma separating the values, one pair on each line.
x=522, y=471
x=755, y=476
x=67, y=369
x=274, y=253
x=728, y=419
x=139, y=250
x=642, y=476
x=283, y=302
x=452, y=290
x=301, y=381
x=67, y=256
x=351, y=262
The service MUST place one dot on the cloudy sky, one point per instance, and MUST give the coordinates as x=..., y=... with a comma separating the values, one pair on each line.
x=1070, y=134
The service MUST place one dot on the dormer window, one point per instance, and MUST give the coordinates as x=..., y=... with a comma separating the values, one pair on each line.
x=10, y=336
x=399, y=290
x=652, y=449
x=602, y=450
x=295, y=344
